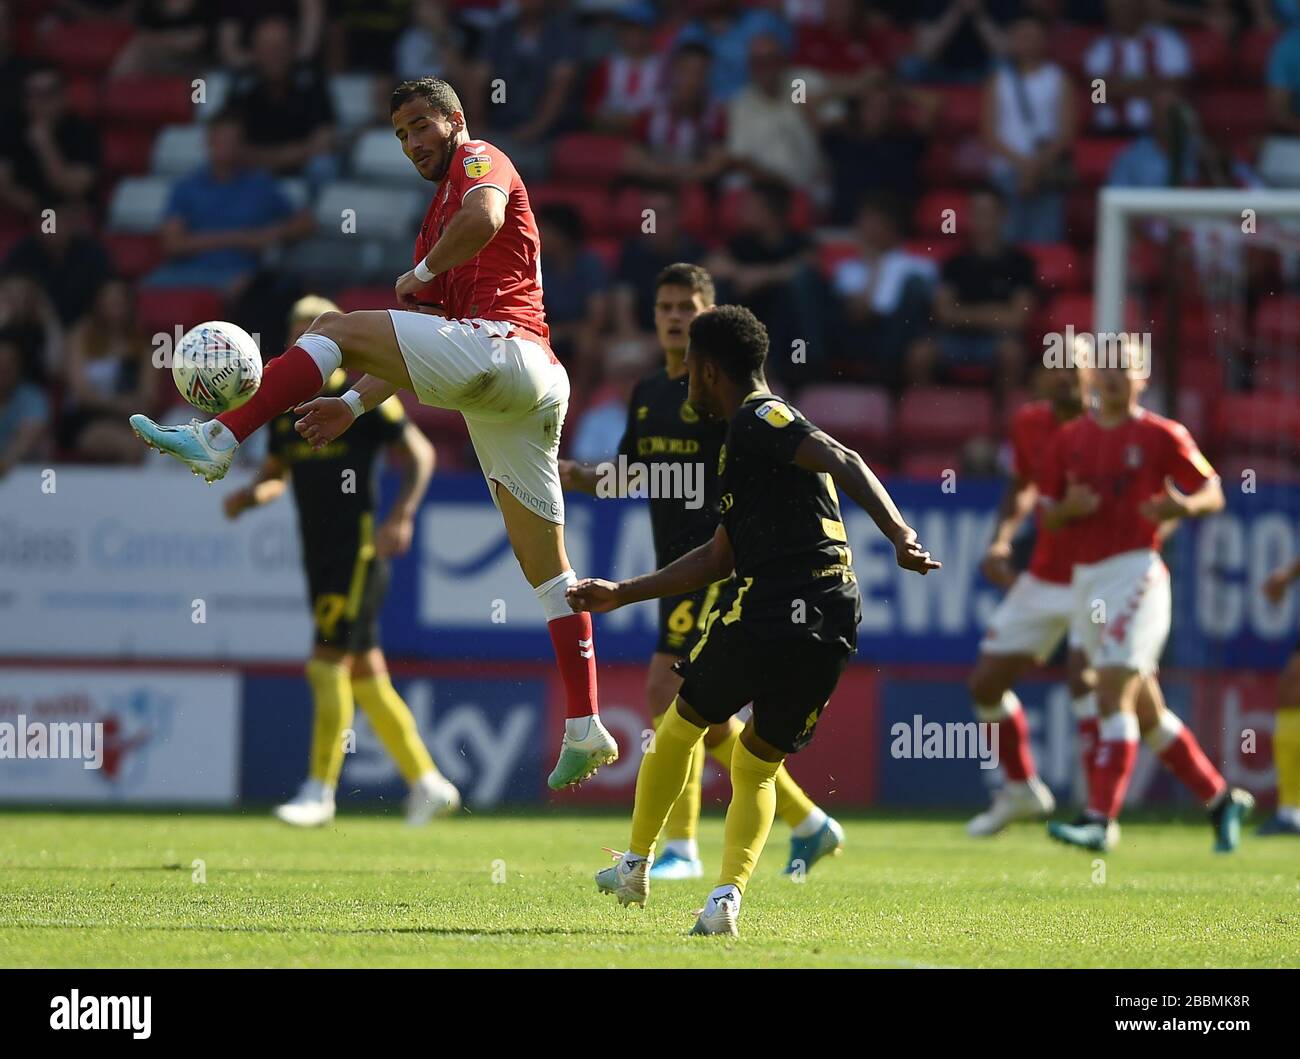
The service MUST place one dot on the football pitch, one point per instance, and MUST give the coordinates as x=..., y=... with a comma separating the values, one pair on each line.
x=219, y=890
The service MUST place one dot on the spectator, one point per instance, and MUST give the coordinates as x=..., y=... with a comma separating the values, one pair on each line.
x=28, y=317
x=109, y=375
x=681, y=137
x=431, y=46
x=67, y=260
x=631, y=80
x=771, y=268
x=240, y=18
x=1147, y=162
x=876, y=149
x=884, y=296
x=524, y=83
x=982, y=305
x=1028, y=128
x=603, y=421
x=958, y=40
x=728, y=31
x=49, y=154
x=24, y=410
x=577, y=294
x=13, y=70
x=660, y=243
x=842, y=44
x=769, y=135
x=171, y=37
x=285, y=107
x=1137, y=60
x=364, y=37
x=1284, y=83
x=223, y=216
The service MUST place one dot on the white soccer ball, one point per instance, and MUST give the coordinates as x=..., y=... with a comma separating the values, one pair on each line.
x=217, y=366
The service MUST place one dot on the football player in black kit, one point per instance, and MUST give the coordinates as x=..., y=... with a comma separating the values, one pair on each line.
x=662, y=427
x=785, y=625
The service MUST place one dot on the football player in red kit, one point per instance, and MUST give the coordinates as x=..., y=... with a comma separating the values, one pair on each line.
x=1109, y=480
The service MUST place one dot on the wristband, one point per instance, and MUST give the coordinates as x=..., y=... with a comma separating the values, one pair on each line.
x=353, y=400
x=422, y=272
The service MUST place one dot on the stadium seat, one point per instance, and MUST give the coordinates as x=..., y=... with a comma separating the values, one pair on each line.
x=1253, y=51
x=859, y=416
x=830, y=252
x=138, y=204
x=937, y=250
x=377, y=156
x=350, y=299
x=179, y=149
x=148, y=100
x=354, y=101
x=84, y=96
x=929, y=465
x=216, y=90
x=731, y=209
x=162, y=309
x=930, y=416
x=127, y=150
x=1258, y=421
x=1233, y=111
x=1057, y=265
x=1277, y=323
x=1233, y=467
x=697, y=215
x=588, y=157
x=133, y=254
x=1211, y=54
x=1093, y=157
x=929, y=218
x=960, y=111
x=1070, y=44
x=378, y=212
x=1066, y=309
x=592, y=204
x=85, y=47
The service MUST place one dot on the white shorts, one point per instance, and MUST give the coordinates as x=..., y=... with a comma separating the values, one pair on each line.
x=1122, y=610
x=510, y=390
x=1030, y=620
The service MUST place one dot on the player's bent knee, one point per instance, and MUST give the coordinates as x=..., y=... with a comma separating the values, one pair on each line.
x=688, y=714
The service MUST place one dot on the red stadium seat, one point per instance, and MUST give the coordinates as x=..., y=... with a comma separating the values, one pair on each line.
x=929, y=465
x=830, y=252
x=587, y=157
x=1277, y=323
x=1232, y=468
x=162, y=309
x=1254, y=49
x=930, y=416
x=1070, y=44
x=1211, y=54
x=960, y=110
x=133, y=255
x=127, y=150
x=697, y=215
x=858, y=416
x=592, y=203
x=85, y=47
x=350, y=299
x=148, y=100
x=937, y=250
x=1093, y=157
x=731, y=209
x=83, y=96
x=930, y=217
x=1233, y=111
x=1266, y=421
x=1066, y=309
x=1058, y=266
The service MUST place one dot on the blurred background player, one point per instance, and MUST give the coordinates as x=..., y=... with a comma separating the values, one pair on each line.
x=1286, y=728
x=1108, y=481
x=786, y=623
x=662, y=427
x=345, y=558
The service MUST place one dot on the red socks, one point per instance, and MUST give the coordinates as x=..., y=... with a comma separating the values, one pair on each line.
x=1182, y=755
x=1088, y=737
x=287, y=380
x=1012, y=734
x=1113, y=765
x=575, y=655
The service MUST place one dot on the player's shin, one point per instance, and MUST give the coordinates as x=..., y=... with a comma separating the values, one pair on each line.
x=1084, y=708
x=683, y=819
x=391, y=719
x=1113, y=766
x=1177, y=748
x=1012, y=735
x=333, y=712
x=661, y=777
x=287, y=380
x=1286, y=760
x=575, y=646
x=749, y=816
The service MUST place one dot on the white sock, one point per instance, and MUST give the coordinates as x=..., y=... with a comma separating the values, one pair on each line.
x=1163, y=733
x=683, y=847
x=324, y=351
x=1119, y=728
x=551, y=595
x=220, y=438
x=1084, y=706
x=318, y=791
x=810, y=824
x=729, y=890
x=578, y=727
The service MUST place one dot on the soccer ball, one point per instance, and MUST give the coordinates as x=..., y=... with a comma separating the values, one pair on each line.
x=217, y=366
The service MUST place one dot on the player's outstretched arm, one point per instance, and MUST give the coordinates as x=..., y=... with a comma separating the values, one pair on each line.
x=578, y=477
x=1172, y=504
x=822, y=453
x=704, y=565
x=271, y=481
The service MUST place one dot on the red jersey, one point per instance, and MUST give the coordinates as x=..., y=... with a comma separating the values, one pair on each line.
x=503, y=281
x=1125, y=466
x=1033, y=429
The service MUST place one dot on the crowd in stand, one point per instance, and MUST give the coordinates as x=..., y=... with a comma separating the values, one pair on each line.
x=904, y=193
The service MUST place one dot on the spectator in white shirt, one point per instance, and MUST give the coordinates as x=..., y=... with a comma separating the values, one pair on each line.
x=1135, y=59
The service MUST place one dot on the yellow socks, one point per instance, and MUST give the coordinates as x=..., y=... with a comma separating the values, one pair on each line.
x=749, y=816
x=663, y=773
x=792, y=804
x=685, y=814
x=391, y=719
x=332, y=696
x=1286, y=757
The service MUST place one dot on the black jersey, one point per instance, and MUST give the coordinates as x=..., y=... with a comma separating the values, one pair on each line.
x=662, y=428
x=335, y=486
x=793, y=565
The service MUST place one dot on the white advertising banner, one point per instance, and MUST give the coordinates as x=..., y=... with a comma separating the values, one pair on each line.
x=133, y=563
x=118, y=736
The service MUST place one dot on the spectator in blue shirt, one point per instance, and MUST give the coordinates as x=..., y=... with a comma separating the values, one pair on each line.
x=24, y=410
x=1146, y=162
x=223, y=216
x=1284, y=83
x=727, y=30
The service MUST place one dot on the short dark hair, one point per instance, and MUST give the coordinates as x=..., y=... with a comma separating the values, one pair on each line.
x=433, y=90
x=734, y=339
x=693, y=277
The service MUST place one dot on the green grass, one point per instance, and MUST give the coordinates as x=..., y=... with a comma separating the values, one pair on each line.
x=98, y=889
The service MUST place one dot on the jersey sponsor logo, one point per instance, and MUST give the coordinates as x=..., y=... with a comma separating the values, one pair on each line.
x=477, y=165
x=775, y=414
x=722, y=458
x=689, y=415
x=643, y=411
